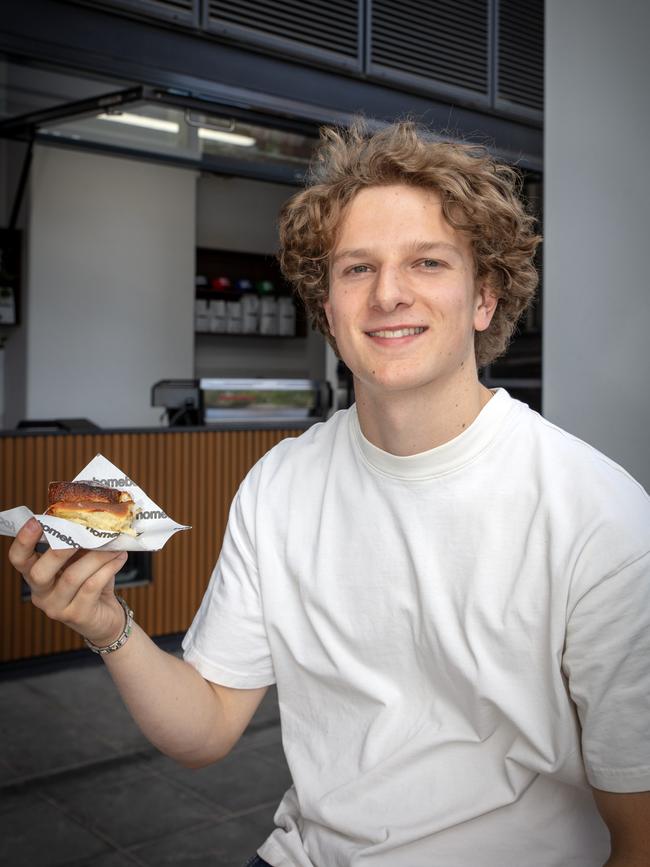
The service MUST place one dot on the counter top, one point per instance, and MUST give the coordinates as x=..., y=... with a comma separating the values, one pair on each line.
x=283, y=424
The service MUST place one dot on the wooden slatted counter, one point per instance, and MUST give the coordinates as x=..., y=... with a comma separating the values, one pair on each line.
x=192, y=474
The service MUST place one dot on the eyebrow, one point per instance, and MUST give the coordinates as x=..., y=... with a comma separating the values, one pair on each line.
x=414, y=247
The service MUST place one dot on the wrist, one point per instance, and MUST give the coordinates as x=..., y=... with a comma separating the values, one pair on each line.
x=109, y=632
x=117, y=638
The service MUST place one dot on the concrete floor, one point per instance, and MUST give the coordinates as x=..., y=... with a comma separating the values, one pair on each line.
x=80, y=786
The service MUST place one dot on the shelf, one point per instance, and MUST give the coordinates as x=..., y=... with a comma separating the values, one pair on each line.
x=255, y=336
x=256, y=267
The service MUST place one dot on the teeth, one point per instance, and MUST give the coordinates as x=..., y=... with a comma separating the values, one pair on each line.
x=397, y=332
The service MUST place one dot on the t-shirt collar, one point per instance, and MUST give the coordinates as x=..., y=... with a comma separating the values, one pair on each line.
x=444, y=458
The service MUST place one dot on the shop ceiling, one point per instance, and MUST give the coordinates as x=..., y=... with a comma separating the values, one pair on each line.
x=240, y=87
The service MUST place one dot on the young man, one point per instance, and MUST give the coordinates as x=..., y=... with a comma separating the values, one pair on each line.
x=450, y=592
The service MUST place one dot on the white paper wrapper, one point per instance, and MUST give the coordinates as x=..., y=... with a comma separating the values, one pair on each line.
x=153, y=526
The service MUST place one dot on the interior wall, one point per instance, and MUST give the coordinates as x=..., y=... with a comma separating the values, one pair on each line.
x=241, y=214
x=597, y=188
x=238, y=213
x=110, y=285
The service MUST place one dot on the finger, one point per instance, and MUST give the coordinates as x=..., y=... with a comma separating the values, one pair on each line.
x=93, y=587
x=80, y=571
x=42, y=574
x=84, y=614
x=22, y=553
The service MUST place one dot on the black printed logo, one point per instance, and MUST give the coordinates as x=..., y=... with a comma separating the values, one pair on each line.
x=7, y=525
x=102, y=534
x=63, y=538
x=151, y=515
x=113, y=483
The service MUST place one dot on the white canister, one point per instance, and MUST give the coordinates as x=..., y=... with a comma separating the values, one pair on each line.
x=218, y=316
x=268, y=315
x=233, y=317
x=286, y=317
x=250, y=314
x=201, y=321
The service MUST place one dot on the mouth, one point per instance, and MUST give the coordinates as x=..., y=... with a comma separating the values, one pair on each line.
x=397, y=332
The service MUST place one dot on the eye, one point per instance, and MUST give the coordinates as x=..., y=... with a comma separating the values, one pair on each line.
x=431, y=264
x=358, y=269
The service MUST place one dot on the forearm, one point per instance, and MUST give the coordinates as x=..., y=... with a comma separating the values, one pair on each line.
x=627, y=816
x=174, y=707
x=181, y=713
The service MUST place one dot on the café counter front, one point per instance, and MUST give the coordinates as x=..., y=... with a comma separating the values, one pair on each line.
x=191, y=472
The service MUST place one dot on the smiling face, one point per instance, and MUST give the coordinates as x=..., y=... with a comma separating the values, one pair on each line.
x=403, y=301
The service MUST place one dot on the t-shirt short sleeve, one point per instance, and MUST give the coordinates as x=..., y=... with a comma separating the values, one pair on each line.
x=606, y=662
x=227, y=641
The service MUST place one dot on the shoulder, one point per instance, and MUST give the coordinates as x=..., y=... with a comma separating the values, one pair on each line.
x=581, y=465
x=299, y=458
x=604, y=509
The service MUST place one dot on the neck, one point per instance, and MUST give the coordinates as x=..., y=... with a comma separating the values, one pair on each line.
x=415, y=420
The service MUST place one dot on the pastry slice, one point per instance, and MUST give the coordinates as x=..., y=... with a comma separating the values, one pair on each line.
x=95, y=506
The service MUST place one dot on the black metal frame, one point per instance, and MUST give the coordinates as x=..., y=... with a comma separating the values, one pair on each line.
x=27, y=127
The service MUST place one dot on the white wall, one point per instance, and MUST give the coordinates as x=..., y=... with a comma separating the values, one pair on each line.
x=597, y=190
x=111, y=282
x=240, y=214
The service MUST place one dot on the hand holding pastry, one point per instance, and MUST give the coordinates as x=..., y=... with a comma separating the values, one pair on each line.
x=71, y=586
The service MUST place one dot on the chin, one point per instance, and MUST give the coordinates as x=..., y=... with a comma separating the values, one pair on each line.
x=394, y=383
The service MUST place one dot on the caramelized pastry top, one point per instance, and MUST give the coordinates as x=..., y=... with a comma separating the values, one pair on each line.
x=73, y=492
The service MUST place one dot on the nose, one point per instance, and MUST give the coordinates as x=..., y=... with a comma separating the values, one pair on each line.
x=390, y=290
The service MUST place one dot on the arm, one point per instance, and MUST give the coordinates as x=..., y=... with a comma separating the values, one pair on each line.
x=627, y=815
x=186, y=717
x=606, y=664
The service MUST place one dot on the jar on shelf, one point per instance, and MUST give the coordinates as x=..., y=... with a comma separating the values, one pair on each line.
x=268, y=315
x=201, y=318
x=264, y=287
x=250, y=313
x=234, y=317
x=217, y=316
x=286, y=317
x=220, y=284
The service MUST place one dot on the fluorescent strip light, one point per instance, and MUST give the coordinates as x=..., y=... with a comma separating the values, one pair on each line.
x=140, y=120
x=232, y=138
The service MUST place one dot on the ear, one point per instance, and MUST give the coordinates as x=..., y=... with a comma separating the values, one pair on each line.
x=327, y=307
x=485, y=305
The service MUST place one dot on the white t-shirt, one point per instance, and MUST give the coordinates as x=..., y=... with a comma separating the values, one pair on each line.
x=433, y=623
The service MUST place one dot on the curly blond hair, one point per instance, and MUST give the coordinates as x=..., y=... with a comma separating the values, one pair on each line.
x=479, y=196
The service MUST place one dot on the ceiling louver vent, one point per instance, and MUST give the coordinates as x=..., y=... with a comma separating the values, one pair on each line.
x=441, y=41
x=181, y=11
x=323, y=27
x=520, y=76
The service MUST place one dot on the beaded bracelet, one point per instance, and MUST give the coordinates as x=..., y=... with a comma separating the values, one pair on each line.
x=121, y=641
